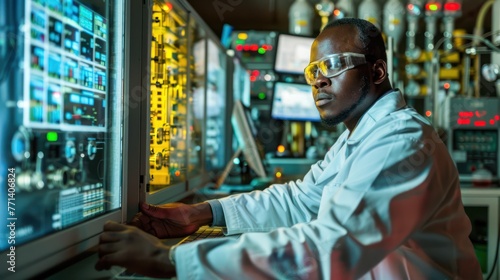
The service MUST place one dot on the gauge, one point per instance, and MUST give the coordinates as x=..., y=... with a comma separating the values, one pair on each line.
x=412, y=89
x=414, y=53
x=325, y=8
x=412, y=69
x=20, y=144
x=70, y=151
x=490, y=72
x=91, y=149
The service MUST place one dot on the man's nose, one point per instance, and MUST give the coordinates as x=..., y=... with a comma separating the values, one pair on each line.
x=322, y=81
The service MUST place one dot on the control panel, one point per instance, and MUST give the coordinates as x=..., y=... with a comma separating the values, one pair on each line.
x=474, y=138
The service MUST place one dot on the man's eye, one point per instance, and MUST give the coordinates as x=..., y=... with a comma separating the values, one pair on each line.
x=333, y=65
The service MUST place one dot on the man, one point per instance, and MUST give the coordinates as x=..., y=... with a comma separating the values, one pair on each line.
x=384, y=203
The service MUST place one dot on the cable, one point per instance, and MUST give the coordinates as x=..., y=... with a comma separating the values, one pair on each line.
x=467, y=36
x=495, y=260
x=480, y=19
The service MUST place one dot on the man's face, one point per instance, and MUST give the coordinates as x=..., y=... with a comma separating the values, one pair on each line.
x=340, y=98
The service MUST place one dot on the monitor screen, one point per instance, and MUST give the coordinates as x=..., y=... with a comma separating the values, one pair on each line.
x=61, y=149
x=292, y=53
x=241, y=82
x=293, y=102
x=246, y=133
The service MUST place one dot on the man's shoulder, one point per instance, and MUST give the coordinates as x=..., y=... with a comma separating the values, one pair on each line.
x=402, y=126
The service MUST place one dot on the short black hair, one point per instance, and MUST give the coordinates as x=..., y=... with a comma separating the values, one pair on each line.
x=369, y=36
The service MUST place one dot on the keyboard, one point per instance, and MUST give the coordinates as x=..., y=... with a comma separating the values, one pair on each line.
x=203, y=233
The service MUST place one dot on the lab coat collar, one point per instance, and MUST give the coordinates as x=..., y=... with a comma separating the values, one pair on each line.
x=389, y=102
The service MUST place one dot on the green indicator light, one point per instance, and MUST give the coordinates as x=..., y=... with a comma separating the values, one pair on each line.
x=240, y=42
x=52, y=136
x=262, y=96
x=262, y=51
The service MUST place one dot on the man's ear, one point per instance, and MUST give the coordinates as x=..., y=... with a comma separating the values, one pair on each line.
x=379, y=70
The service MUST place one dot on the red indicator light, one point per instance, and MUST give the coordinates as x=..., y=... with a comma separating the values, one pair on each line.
x=480, y=114
x=254, y=47
x=492, y=122
x=246, y=47
x=452, y=7
x=239, y=48
x=255, y=73
x=446, y=85
x=253, y=78
x=465, y=114
x=497, y=118
x=336, y=12
x=463, y=121
x=410, y=7
x=480, y=123
x=177, y=173
x=168, y=7
x=428, y=113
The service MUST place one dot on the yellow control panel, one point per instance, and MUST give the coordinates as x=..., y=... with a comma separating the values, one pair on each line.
x=168, y=107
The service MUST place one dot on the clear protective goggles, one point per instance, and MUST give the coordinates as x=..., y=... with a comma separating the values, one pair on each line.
x=332, y=65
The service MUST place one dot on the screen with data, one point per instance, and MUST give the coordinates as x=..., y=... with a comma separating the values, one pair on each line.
x=293, y=102
x=64, y=117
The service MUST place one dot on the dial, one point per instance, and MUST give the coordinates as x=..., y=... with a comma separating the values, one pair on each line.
x=91, y=149
x=70, y=151
x=412, y=89
x=20, y=144
x=490, y=72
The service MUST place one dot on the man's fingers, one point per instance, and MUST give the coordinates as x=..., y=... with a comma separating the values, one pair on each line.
x=109, y=260
x=153, y=211
x=102, y=265
x=114, y=226
x=109, y=236
x=108, y=248
x=148, y=209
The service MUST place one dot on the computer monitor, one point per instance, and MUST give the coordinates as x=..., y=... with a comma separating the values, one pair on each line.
x=293, y=102
x=241, y=82
x=246, y=133
x=292, y=53
x=61, y=112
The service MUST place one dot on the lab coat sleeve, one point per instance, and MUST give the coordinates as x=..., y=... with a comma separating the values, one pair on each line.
x=388, y=188
x=280, y=205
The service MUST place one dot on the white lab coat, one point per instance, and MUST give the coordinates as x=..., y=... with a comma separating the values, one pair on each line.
x=383, y=204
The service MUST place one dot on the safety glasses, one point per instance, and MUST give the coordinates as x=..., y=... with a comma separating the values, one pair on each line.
x=332, y=65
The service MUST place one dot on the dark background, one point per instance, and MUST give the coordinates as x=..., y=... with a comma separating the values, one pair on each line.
x=273, y=14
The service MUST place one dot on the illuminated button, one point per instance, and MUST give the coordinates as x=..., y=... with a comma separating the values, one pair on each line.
x=52, y=136
x=242, y=36
x=452, y=6
x=432, y=7
x=281, y=148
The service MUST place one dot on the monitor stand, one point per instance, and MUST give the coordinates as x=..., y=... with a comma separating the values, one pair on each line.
x=227, y=169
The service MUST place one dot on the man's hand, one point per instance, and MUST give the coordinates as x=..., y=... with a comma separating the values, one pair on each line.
x=172, y=219
x=133, y=249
